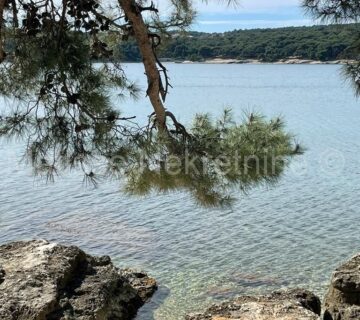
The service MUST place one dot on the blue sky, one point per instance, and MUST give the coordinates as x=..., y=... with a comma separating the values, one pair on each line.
x=215, y=17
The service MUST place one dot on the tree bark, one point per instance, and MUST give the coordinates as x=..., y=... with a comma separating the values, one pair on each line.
x=141, y=34
x=2, y=52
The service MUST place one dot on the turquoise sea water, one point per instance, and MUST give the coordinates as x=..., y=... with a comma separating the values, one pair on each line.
x=290, y=235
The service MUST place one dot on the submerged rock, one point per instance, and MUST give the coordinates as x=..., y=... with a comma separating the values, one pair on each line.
x=285, y=305
x=342, y=302
x=46, y=281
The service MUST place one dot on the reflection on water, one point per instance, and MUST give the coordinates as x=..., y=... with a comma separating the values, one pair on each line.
x=290, y=235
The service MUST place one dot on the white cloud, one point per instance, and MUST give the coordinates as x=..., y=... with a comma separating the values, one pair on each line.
x=246, y=6
x=243, y=7
x=274, y=13
x=257, y=23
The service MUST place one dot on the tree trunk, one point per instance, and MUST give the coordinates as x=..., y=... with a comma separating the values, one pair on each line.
x=141, y=31
x=2, y=52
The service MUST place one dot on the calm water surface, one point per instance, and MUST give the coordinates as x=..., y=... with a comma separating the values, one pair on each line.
x=290, y=235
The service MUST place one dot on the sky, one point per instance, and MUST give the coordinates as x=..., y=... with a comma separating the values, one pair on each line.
x=248, y=14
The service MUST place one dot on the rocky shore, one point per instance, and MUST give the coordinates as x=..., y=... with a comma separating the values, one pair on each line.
x=287, y=305
x=342, y=302
x=46, y=281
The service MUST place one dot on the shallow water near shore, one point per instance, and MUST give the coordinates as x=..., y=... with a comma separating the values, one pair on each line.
x=291, y=235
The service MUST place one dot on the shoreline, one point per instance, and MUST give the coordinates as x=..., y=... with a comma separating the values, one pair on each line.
x=92, y=287
x=294, y=61
x=254, y=61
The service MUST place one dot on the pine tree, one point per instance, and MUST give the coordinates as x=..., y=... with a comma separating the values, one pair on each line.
x=62, y=106
x=340, y=11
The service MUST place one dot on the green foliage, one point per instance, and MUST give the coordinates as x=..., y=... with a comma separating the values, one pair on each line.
x=216, y=158
x=63, y=111
x=323, y=43
x=333, y=10
x=341, y=11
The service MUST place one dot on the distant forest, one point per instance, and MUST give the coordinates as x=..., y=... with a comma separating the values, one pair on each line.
x=323, y=43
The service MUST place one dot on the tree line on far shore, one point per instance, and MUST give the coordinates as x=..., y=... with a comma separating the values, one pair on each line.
x=322, y=42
